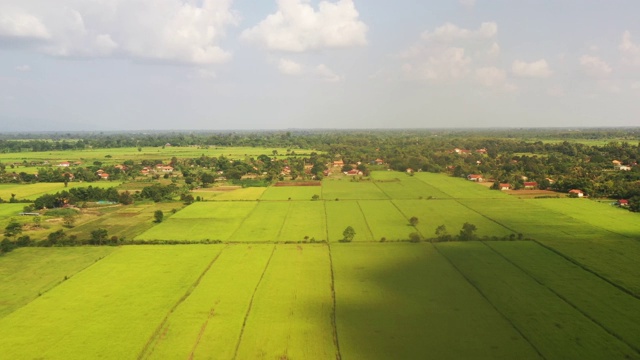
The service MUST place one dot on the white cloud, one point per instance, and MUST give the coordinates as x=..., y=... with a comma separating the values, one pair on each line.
x=635, y=85
x=19, y=24
x=494, y=50
x=298, y=27
x=469, y=4
x=443, y=64
x=450, y=32
x=202, y=73
x=556, y=91
x=536, y=69
x=175, y=31
x=23, y=68
x=493, y=77
x=594, y=66
x=289, y=67
x=630, y=51
x=326, y=74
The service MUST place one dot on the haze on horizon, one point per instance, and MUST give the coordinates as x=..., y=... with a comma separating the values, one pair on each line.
x=224, y=64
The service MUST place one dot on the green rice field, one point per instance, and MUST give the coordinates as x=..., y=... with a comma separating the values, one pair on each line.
x=283, y=286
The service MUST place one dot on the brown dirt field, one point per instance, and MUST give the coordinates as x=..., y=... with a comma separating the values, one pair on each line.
x=298, y=183
x=533, y=193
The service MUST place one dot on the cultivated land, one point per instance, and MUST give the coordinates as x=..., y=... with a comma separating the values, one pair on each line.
x=571, y=291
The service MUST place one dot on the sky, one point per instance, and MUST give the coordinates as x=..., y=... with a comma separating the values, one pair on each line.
x=113, y=65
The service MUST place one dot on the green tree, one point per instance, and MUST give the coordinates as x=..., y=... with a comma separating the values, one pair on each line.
x=413, y=221
x=37, y=221
x=69, y=220
x=414, y=237
x=56, y=237
x=13, y=229
x=348, y=234
x=315, y=197
x=158, y=216
x=442, y=234
x=468, y=232
x=99, y=236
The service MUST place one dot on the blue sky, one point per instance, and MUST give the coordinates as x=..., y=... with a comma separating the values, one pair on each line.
x=224, y=64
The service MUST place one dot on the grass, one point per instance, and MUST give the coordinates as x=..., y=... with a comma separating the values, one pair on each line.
x=341, y=214
x=433, y=213
x=291, y=192
x=385, y=220
x=458, y=188
x=344, y=188
x=9, y=211
x=402, y=186
x=29, y=272
x=210, y=320
x=405, y=301
x=615, y=310
x=552, y=325
x=304, y=219
x=201, y=221
x=250, y=193
x=33, y=191
x=263, y=224
x=290, y=317
x=123, y=298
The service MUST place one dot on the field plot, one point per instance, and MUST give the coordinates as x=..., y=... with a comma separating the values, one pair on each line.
x=201, y=221
x=458, y=188
x=615, y=310
x=354, y=190
x=264, y=222
x=305, y=218
x=8, y=211
x=290, y=317
x=402, y=186
x=526, y=217
x=597, y=214
x=553, y=326
x=126, y=222
x=209, y=322
x=385, y=220
x=433, y=213
x=150, y=153
x=250, y=193
x=405, y=301
x=124, y=296
x=29, y=272
x=291, y=192
x=33, y=191
x=341, y=214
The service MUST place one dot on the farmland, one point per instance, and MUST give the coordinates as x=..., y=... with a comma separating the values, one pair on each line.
x=283, y=286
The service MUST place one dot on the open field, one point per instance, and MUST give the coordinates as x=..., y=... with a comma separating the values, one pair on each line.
x=405, y=301
x=30, y=272
x=341, y=214
x=33, y=191
x=551, y=324
x=345, y=189
x=147, y=153
x=458, y=188
x=291, y=193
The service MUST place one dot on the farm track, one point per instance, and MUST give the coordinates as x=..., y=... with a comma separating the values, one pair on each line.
x=253, y=295
x=150, y=344
x=484, y=296
x=365, y=220
x=586, y=268
x=333, y=312
x=563, y=298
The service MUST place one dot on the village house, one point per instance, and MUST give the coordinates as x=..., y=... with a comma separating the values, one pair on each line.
x=481, y=151
x=622, y=202
x=505, y=186
x=475, y=177
x=576, y=193
x=104, y=176
x=379, y=162
x=144, y=171
x=462, y=151
x=64, y=164
x=353, y=172
x=338, y=163
x=409, y=171
x=530, y=185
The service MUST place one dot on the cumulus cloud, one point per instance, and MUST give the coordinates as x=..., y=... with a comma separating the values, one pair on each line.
x=494, y=77
x=630, y=51
x=536, y=69
x=594, y=66
x=450, y=32
x=469, y=4
x=16, y=23
x=326, y=74
x=443, y=64
x=289, y=67
x=23, y=68
x=297, y=27
x=175, y=31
